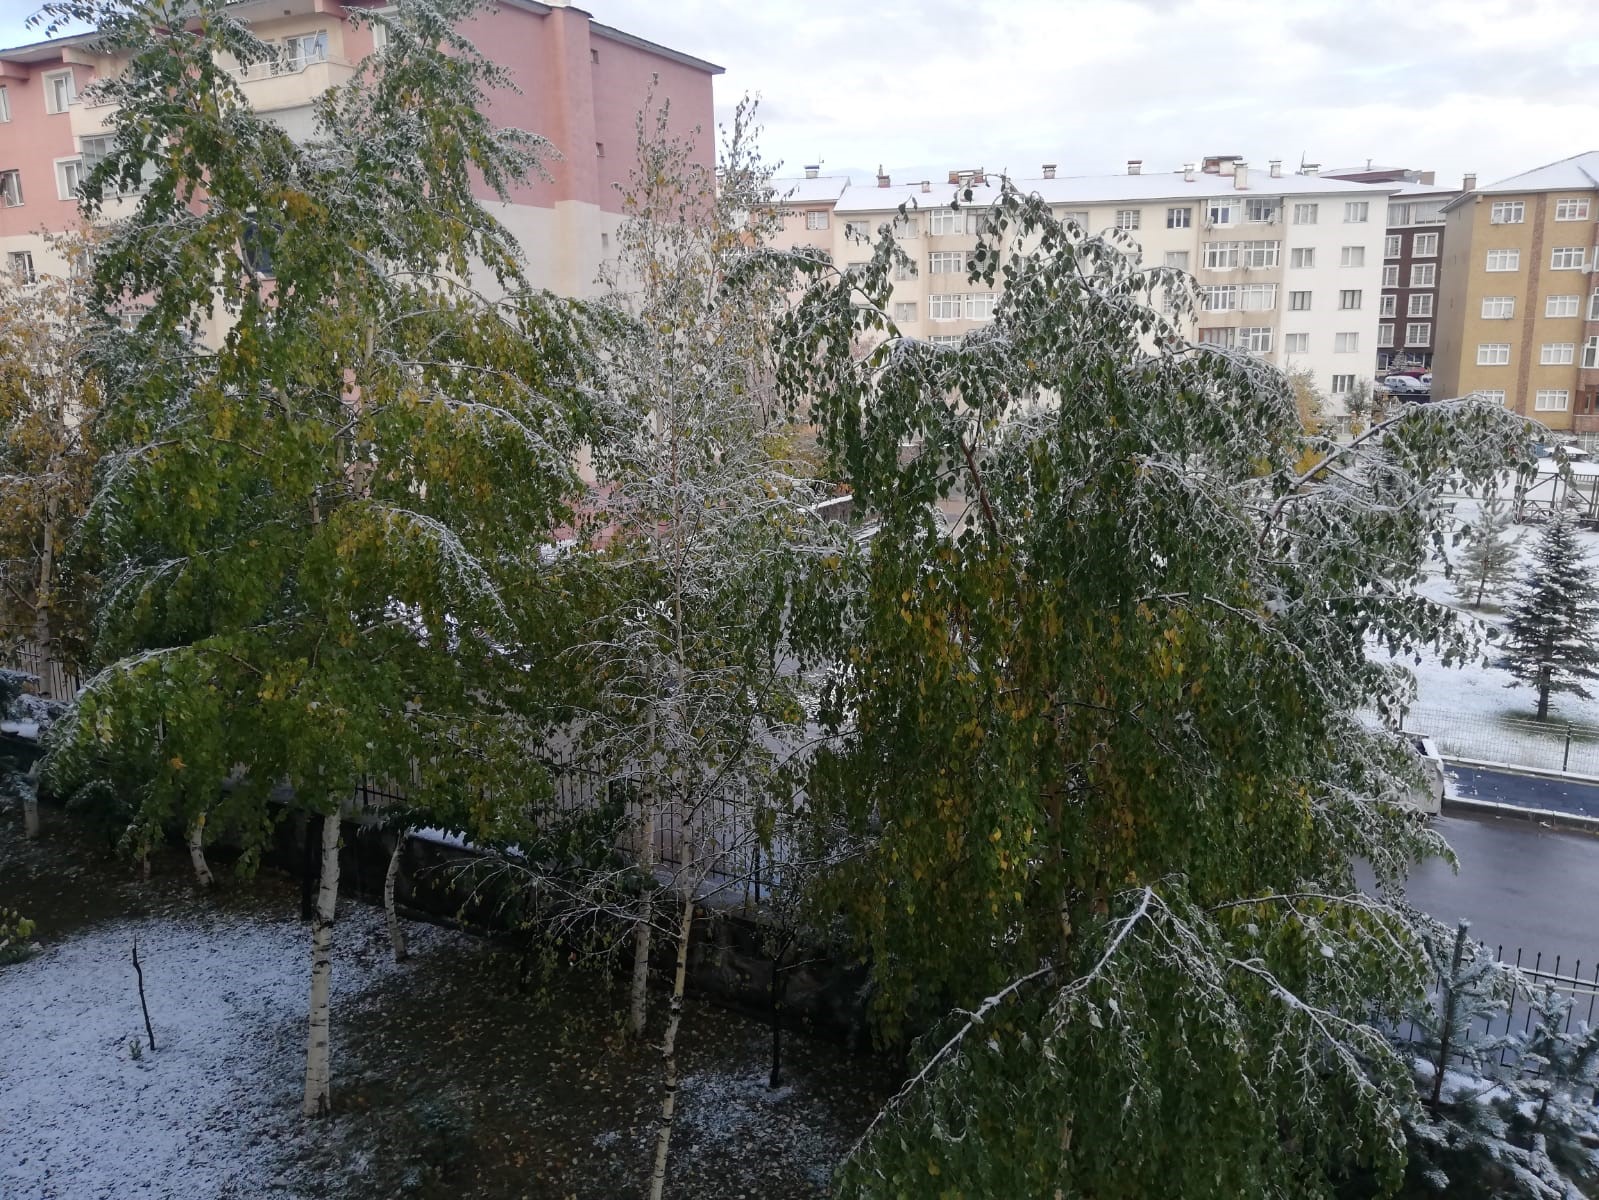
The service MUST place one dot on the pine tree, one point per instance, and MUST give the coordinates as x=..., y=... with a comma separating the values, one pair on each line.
x=1551, y=624
x=1489, y=554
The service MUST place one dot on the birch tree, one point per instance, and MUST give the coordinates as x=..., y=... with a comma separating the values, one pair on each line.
x=322, y=526
x=1099, y=750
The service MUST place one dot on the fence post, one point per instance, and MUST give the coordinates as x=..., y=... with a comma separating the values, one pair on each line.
x=1566, y=760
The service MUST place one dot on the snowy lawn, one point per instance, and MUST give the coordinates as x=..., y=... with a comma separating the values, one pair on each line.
x=452, y=1078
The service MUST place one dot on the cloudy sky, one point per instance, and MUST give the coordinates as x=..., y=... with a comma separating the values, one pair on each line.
x=1492, y=86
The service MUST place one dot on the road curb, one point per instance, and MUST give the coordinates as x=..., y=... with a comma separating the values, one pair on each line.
x=1483, y=764
x=1459, y=806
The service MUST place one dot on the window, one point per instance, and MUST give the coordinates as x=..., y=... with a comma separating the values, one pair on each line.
x=946, y=262
x=1255, y=338
x=1349, y=298
x=1356, y=211
x=1571, y=210
x=1353, y=256
x=1257, y=297
x=300, y=51
x=977, y=220
x=1498, y=308
x=5, y=104
x=1218, y=297
x=594, y=55
x=1423, y=275
x=905, y=228
x=599, y=149
x=1419, y=334
x=1219, y=212
x=1492, y=395
x=857, y=230
x=95, y=150
x=1390, y=245
x=1385, y=335
x=1593, y=307
x=1081, y=218
x=1507, y=212
x=945, y=339
x=1504, y=260
x=1420, y=306
x=1177, y=260
x=1562, y=306
x=904, y=311
x=1493, y=354
x=60, y=91
x=1261, y=211
x=1298, y=301
x=1221, y=256
x=11, y=188
x=1419, y=212
x=1179, y=218
x=69, y=177
x=1128, y=218
x=20, y=263
x=1567, y=258
x=944, y=308
x=1342, y=384
x=1346, y=343
x=1424, y=245
x=943, y=221
x=1556, y=354
x=904, y=271
x=1296, y=343
x=816, y=219
x=1387, y=306
x=1260, y=254
x=1223, y=336
x=1590, y=352
x=1390, y=275
x=1551, y=400
x=1305, y=214
x=980, y=306
x=1302, y=256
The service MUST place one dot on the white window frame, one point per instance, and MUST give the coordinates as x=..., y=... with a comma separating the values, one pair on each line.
x=1302, y=257
x=1507, y=212
x=906, y=228
x=1418, y=333
x=66, y=168
x=1129, y=219
x=945, y=339
x=1493, y=354
x=51, y=78
x=1221, y=256
x=1294, y=299
x=1420, y=305
x=1260, y=255
x=1177, y=260
x=1492, y=395
x=1423, y=275
x=1352, y=256
x=1342, y=384
x=20, y=265
x=1180, y=218
x=1346, y=343
x=1257, y=297
x=1388, y=306
x=292, y=59
x=1593, y=306
x=1357, y=212
x=1390, y=275
x=1257, y=339
x=816, y=219
x=1392, y=245
x=1424, y=245
x=1562, y=306
x=1224, y=337
x=1506, y=260
x=1349, y=299
x=1557, y=354
x=5, y=105
x=944, y=222
x=1590, y=352
x=946, y=262
x=11, y=188
x=1296, y=343
x=1079, y=216
x=1568, y=258
x=980, y=306
x=1385, y=334
x=1306, y=213
x=904, y=312
x=1498, y=308
x=1218, y=212
x=1572, y=208
x=1551, y=400
x=1261, y=210
x=1218, y=297
x=944, y=306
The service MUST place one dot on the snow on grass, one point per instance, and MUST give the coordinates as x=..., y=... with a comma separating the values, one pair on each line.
x=214, y=1111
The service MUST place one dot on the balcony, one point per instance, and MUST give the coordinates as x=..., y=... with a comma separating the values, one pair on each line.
x=291, y=84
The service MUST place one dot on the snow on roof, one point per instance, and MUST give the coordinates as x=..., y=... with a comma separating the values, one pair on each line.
x=824, y=189
x=1109, y=189
x=1419, y=189
x=1579, y=172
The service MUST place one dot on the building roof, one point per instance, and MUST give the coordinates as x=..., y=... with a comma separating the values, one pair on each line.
x=1419, y=189
x=1579, y=172
x=824, y=189
x=1108, y=189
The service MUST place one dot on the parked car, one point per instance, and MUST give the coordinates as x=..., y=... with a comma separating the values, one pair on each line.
x=1430, y=797
x=1405, y=385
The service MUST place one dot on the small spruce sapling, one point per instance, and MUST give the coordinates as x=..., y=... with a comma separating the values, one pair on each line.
x=1489, y=555
x=1551, y=622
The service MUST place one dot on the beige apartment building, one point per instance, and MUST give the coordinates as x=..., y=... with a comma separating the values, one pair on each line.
x=1518, y=314
x=1289, y=265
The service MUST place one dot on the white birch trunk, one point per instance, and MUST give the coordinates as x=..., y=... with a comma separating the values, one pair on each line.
x=638, y=1006
x=663, y=1132
x=318, y=1071
x=202, y=870
x=396, y=930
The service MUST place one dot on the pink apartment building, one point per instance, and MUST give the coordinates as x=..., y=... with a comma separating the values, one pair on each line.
x=581, y=86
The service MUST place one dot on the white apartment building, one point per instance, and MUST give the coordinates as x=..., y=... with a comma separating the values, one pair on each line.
x=1289, y=266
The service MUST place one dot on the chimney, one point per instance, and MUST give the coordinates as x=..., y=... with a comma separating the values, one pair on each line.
x=1135, y=166
x=1188, y=172
x=1049, y=170
x=1241, y=176
x=1429, y=177
x=927, y=185
x=1276, y=168
x=812, y=170
x=1310, y=169
x=882, y=179
x=1469, y=183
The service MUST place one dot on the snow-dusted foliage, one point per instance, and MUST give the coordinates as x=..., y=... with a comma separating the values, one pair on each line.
x=1097, y=750
x=329, y=462
x=1486, y=563
x=1550, y=624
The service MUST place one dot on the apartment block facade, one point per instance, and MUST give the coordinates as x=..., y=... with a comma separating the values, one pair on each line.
x=579, y=83
x=1289, y=266
x=1518, y=303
